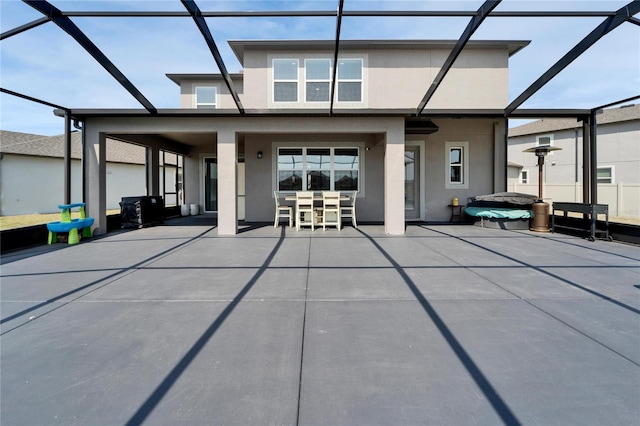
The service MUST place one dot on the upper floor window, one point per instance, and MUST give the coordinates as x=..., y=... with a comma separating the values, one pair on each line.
x=524, y=176
x=206, y=97
x=457, y=172
x=349, y=80
x=544, y=140
x=285, y=80
x=317, y=80
x=605, y=174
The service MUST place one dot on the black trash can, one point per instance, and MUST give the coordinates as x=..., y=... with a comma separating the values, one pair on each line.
x=140, y=211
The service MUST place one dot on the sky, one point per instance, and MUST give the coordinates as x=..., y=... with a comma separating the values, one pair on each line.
x=46, y=63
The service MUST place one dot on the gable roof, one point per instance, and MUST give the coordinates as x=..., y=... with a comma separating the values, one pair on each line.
x=53, y=146
x=608, y=116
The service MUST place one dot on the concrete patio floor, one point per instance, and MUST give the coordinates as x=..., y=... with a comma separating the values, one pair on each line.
x=448, y=325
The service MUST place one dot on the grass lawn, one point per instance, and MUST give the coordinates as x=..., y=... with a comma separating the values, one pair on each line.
x=21, y=221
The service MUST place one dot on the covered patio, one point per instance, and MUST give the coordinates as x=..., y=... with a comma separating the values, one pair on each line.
x=448, y=324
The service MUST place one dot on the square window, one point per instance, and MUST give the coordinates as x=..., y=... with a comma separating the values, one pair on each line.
x=206, y=97
x=350, y=69
x=285, y=69
x=285, y=92
x=318, y=69
x=605, y=174
x=349, y=92
x=318, y=92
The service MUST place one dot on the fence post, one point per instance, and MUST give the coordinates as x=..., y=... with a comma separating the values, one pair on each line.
x=619, y=206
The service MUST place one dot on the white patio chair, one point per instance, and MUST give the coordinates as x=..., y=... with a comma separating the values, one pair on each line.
x=330, y=209
x=349, y=211
x=304, y=209
x=282, y=211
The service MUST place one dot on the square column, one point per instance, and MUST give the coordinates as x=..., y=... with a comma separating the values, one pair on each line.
x=153, y=171
x=227, y=153
x=94, y=162
x=394, y=175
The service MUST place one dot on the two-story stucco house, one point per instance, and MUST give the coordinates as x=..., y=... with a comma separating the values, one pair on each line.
x=287, y=137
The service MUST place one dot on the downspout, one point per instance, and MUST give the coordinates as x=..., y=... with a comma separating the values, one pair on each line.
x=67, y=157
x=586, y=147
x=506, y=150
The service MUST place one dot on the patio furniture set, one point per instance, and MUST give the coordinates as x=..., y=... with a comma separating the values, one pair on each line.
x=326, y=208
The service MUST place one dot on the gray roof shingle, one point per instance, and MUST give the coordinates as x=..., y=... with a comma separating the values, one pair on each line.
x=613, y=115
x=53, y=146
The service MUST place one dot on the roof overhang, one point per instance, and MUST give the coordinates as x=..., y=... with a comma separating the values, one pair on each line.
x=239, y=46
x=427, y=113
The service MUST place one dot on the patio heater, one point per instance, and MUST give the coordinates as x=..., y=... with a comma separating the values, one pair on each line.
x=540, y=222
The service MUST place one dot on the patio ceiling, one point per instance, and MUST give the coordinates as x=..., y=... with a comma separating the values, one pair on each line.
x=63, y=19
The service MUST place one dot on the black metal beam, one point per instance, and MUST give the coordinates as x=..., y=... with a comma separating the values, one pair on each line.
x=330, y=14
x=193, y=9
x=32, y=99
x=24, y=27
x=634, y=21
x=335, y=54
x=632, y=98
x=609, y=24
x=55, y=15
x=473, y=25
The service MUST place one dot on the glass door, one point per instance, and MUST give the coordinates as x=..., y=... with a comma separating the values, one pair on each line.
x=211, y=184
x=412, y=182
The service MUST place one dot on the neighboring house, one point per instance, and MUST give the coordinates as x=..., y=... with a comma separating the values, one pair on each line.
x=32, y=172
x=618, y=156
x=282, y=136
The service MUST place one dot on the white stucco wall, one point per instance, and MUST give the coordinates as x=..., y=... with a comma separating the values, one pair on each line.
x=31, y=184
x=35, y=184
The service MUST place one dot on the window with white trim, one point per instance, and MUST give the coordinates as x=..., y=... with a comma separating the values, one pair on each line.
x=285, y=80
x=318, y=169
x=544, y=140
x=206, y=97
x=349, y=80
x=605, y=174
x=317, y=80
x=524, y=176
x=457, y=171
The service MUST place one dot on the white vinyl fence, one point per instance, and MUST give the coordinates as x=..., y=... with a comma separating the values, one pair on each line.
x=623, y=199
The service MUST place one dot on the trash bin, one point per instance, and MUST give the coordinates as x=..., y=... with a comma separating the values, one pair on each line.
x=195, y=210
x=140, y=211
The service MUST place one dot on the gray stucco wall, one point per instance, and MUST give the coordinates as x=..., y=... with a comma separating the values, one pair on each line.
x=480, y=136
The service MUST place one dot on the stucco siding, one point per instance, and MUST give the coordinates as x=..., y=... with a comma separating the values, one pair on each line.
x=617, y=147
x=480, y=136
x=392, y=78
x=35, y=184
x=31, y=184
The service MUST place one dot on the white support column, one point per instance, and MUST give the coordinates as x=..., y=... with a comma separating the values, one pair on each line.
x=95, y=176
x=227, y=154
x=394, y=176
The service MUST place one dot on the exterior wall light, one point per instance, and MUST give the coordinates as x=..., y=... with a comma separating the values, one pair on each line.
x=259, y=155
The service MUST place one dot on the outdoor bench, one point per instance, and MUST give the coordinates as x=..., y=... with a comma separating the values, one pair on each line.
x=70, y=226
